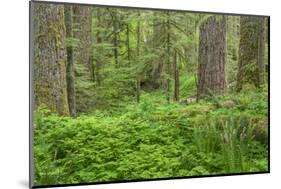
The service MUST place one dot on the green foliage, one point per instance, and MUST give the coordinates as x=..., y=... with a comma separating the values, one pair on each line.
x=151, y=140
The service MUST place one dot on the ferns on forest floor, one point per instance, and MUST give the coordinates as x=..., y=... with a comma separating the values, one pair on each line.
x=150, y=140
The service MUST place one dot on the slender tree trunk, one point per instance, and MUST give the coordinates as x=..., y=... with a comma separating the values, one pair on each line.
x=115, y=38
x=99, y=42
x=212, y=56
x=128, y=41
x=138, y=58
x=261, y=51
x=168, y=59
x=176, y=78
x=70, y=66
x=50, y=59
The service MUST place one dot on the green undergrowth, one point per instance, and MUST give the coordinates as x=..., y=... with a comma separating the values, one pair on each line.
x=153, y=139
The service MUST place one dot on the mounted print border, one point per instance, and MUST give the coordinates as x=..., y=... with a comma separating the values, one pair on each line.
x=126, y=94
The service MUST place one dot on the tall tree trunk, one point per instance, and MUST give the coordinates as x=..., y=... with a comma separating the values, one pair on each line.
x=138, y=58
x=99, y=42
x=251, y=52
x=50, y=86
x=168, y=59
x=115, y=37
x=157, y=62
x=128, y=41
x=212, y=56
x=69, y=66
x=176, y=78
x=261, y=51
x=83, y=57
x=82, y=21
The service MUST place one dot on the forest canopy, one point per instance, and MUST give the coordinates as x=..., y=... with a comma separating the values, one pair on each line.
x=127, y=93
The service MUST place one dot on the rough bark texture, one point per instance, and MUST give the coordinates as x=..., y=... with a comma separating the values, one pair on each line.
x=50, y=86
x=212, y=56
x=176, y=78
x=251, y=51
x=70, y=66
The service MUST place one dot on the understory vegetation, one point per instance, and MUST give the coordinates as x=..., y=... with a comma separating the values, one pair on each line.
x=154, y=140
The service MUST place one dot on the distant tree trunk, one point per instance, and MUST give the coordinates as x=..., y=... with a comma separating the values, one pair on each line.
x=50, y=86
x=115, y=37
x=251, y=51
x=212, y=56
x=70, y=66
x=128, y=42
x=157, y=62
x=99, y=41
x=176, y=78
x=168, y=59
x=82, y=21
x=261, y=51
x=138, y=58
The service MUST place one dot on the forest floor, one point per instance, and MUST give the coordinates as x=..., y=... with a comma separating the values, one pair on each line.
x=153, y=139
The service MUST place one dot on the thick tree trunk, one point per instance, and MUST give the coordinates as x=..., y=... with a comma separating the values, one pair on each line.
x=251, y=52
x=212, y=56
x=50, y=86
x=176, y=78
x=70, y=66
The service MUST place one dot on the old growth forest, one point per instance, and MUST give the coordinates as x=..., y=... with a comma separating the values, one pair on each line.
x=124, y=93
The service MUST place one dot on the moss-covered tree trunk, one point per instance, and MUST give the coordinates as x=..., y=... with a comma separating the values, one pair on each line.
x=251, y=51
x=70, y=65
x=50, y=86
x=212, y=56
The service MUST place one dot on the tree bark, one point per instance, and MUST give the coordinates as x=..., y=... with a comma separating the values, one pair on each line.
x=128, y=41
x=168, y=59
x=115, y=37
x=82, y=21
x=261, y=52
x=251, y=52
x=50, y=86
x=176, y=78
x=99, y=42
x=212, y=56
x=138, y=87
x=69, y=66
